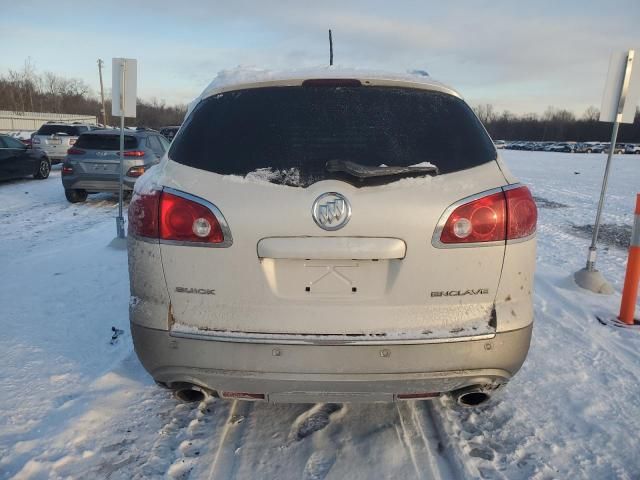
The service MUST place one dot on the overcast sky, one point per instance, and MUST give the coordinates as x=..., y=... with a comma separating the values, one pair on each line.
x=522, y=56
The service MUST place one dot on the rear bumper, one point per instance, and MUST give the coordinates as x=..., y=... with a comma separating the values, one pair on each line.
x=312, y=373
x=94, y=183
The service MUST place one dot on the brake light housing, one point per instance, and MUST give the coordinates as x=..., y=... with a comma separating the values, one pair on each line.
x=132, y=153
x=489, y=218
x=75, y=151
x=177, y=218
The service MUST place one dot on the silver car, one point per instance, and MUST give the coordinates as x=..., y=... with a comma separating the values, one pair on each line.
x=55, y=138
x=331, y=239
x=91, y=165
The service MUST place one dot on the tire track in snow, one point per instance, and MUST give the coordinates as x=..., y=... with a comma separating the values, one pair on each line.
x=225, y=459
x=421, y=438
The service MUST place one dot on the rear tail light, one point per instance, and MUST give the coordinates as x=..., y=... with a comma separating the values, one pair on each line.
x=75, y=151
x=67, y=170
x=505, y=215
x=176, y=217
x=135, y=171
x=133, y=153
x=522, y=213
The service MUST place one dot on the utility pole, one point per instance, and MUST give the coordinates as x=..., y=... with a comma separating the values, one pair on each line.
x=330, y=48
x=104, y=109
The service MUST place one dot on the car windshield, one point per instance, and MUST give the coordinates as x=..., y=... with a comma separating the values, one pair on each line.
x=286, y=135
x=94, y=141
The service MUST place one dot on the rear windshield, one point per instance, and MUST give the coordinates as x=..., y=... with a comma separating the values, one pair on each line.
x=286, y=135
x=93, y=141
x=70, y=130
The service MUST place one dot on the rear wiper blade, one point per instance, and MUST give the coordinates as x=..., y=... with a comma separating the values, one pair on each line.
x=364, y=171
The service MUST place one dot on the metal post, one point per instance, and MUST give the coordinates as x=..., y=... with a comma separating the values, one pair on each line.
x=120, y=219
x=589, y=277
x=104, y=110
x=591, y=258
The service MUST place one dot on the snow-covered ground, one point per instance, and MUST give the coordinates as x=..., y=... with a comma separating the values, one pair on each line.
x=73, y=405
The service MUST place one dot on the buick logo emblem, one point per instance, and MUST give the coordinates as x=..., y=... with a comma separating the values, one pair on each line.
x=331, y=211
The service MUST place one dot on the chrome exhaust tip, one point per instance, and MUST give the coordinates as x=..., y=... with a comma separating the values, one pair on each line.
x=472, y=396
x=190, y=394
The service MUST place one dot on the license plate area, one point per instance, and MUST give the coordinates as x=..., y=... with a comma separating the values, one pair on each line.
x=102, y=168
x=54, y=141
x=359, y=279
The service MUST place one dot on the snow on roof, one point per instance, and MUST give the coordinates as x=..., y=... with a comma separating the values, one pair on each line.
x=247, y=77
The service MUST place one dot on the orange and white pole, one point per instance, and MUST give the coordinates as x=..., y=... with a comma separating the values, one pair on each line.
x=632, y=277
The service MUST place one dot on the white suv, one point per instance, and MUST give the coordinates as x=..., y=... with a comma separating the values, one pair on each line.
x=331, y=237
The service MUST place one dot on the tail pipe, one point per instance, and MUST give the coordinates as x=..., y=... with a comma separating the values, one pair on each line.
x=188, y=393
x=473, y=396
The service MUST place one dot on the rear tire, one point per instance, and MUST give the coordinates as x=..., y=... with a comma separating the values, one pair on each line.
x=44, y=169
x=75, y=195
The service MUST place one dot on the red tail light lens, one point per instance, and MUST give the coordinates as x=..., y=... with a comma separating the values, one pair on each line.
x=166, y=216
x=481, y=220
x=133, y=153
x=187, y=221
x=506, y=215
x=522, y=213
x=67, y=170
x=75, y=151
x=143, y=214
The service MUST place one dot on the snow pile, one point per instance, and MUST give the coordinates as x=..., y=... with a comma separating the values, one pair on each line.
x=74, y=406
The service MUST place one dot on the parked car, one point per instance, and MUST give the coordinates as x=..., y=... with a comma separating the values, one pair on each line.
x=55, y=138
x=19, y=160
x=91, y=165
x=330, y=240
x=169, y=132
x=561, y=147
x=632, y=149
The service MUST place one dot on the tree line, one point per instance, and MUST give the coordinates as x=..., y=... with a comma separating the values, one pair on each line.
x=30, y=91
x=554, y=125
x=26, y=90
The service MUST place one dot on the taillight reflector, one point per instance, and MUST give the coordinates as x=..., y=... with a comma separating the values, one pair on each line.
x=417, y=396
x=505, y=215
x=165, y=216
x=67, y=170
x=75, y=151
x=243, y=395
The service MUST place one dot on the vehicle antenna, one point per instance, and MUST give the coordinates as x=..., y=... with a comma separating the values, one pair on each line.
x=330, y=48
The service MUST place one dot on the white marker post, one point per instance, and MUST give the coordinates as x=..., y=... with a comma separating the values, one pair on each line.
x=123, y=104
x=619, y=101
